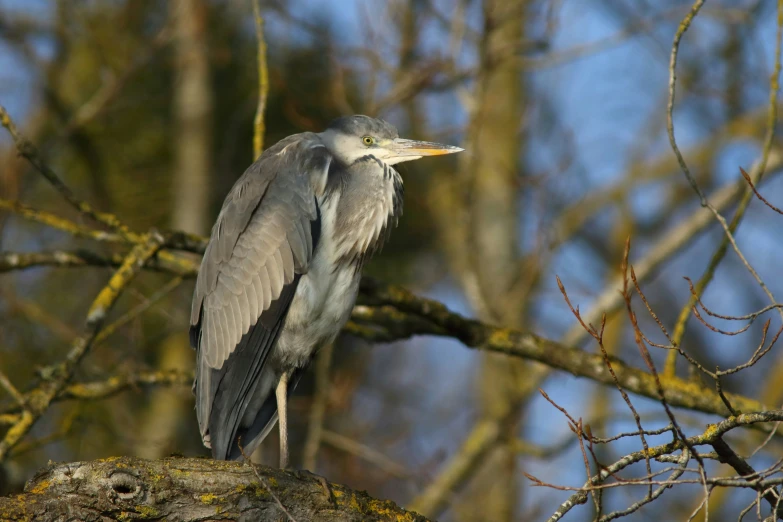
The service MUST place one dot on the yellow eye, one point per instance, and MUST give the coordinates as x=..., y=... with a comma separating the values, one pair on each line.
x=368, y=140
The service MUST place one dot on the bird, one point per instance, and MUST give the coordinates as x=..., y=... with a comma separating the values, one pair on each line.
x=280, y=273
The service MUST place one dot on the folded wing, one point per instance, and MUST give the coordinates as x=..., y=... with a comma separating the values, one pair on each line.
x=261, y=244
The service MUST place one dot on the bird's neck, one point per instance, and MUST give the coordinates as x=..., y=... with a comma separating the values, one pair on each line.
x=362, y=203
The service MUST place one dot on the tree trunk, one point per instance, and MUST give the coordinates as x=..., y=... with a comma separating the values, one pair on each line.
x=184, y=489
x=193, y=107
x=192, y=118
x=493, y=255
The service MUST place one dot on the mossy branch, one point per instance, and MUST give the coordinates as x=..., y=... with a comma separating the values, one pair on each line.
x=188, y=489
x=263, y=83
x=38, y=400
x=389, y=313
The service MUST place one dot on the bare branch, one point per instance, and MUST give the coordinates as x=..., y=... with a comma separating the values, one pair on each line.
x=41, y=397
x=31, y=154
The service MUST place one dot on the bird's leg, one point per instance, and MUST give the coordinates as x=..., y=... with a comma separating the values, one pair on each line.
x=282, y=415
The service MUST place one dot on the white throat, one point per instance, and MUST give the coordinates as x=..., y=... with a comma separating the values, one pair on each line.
x=348, y=148
x=345, y=148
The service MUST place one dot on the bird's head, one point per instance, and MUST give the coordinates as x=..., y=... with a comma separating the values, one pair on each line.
x=352, y=137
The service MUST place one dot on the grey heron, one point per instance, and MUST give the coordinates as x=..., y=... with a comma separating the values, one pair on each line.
x=281, y=271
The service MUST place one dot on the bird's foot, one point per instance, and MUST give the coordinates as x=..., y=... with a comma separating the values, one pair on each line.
x=302, y=474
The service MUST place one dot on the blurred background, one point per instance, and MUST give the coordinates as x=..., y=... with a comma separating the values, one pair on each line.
x=145, y=108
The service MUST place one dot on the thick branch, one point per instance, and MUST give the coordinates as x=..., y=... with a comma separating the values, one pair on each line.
x=98, y=390
x=395, y=313
x=10, y=261
x=185, y=489
x=400, y=314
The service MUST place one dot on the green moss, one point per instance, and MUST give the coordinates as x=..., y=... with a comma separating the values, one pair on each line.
x=210, y=498
x=178, y=473
x=156, y=478
x=140, y=512
x=384, y=509
x=40, y=487
x=148, y=512
x=709, y=433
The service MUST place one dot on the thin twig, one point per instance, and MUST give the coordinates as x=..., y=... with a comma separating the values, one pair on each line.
x=374, y=457
x=28, y=151
x=684, y=25
x=55, y=221
x=649, y=362
x=41, y=397
x=709, y=436
x=607, y=360
x=611, y=300
x=758, y=171
x=263, y=83
x=741, y=466
x=12, y=391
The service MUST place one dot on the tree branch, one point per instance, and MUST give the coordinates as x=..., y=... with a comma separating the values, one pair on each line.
x=389, y=313
x=611, y=300
x=104, y=389
x=728, y=456
x=38, y=400
x=263, y=83
x=170, y=264
x=713, y=433
x=127, y=488
x=405, y=315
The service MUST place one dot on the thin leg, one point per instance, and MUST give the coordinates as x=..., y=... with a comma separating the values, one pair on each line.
x=282, y=413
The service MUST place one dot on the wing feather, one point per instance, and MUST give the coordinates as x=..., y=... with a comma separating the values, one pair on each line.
x=288, y=262
x=225, y=337
x=275, y=270
x=212, y=355
x=243, y=301
x=261, y=244
x=235, y=320
x=261, y=283
x=250, y=264
x=254, y=298
x=231, y=283
x=298, y=244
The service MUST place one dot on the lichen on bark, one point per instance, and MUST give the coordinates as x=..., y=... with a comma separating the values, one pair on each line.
x=190, y=489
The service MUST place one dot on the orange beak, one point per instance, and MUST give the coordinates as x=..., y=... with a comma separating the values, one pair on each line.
x=412, y=148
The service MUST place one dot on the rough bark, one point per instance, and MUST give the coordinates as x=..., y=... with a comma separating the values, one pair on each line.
x=185, y=489
x=193, y=107
x=493, y=207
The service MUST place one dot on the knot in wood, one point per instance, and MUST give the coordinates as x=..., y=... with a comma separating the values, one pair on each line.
x=124, y=486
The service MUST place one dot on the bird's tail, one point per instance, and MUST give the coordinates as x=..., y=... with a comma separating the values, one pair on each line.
x=265, y=420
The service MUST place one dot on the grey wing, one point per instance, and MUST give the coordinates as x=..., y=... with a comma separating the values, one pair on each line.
x=260, y=245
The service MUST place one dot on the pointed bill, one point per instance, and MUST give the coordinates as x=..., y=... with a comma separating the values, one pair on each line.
x=407, y=148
